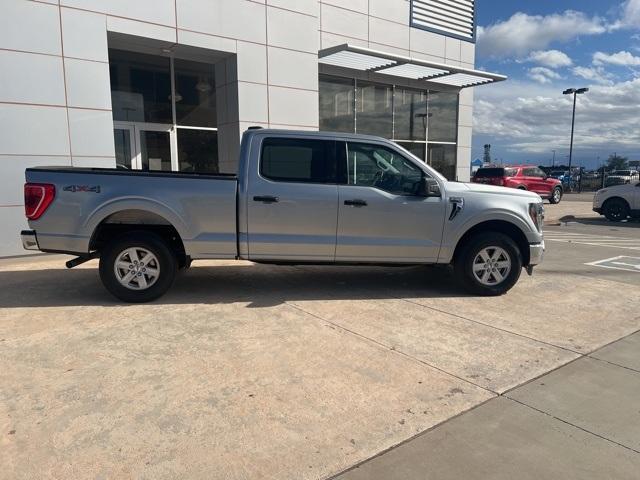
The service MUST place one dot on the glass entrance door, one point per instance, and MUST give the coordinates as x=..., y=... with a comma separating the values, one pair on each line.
x=144, y=146
x=155, y=150
x=123, y=137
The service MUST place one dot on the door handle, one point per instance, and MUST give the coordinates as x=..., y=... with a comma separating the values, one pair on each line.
x=356, y=203
x=265, y=199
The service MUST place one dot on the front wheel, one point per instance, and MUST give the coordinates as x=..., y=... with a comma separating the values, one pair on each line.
x=489, y=264
x=137, y=267
x=556, y=196
x=616, y=210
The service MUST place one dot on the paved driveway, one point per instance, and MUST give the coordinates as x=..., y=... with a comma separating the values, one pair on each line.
x=247, y=371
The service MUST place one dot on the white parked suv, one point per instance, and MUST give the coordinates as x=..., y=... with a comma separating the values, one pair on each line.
x=619, y=202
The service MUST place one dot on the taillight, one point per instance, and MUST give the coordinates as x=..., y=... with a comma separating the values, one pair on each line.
x=37, y=198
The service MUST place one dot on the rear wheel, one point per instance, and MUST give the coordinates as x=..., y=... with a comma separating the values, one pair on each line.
x=137, y=267
x=616, y=210
x=556, y=195
x=488, y=264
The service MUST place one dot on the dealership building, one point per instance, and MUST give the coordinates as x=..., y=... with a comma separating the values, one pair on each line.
x=172, y=84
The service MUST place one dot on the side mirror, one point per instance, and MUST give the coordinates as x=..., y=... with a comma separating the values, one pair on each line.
x=429, y=187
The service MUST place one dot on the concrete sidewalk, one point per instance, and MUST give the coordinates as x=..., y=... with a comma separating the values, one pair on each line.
x=580, y=421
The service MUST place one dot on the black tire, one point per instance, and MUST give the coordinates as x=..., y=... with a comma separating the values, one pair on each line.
x=466, y=257
x=521, y=187
x=616, y=210
x=556, y=196
x=165, y=261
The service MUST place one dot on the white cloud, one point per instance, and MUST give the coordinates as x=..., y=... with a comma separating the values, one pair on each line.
x=550, y=58
x=597, y=75
x=522, y=33
x=621, y=59
x=531, y=118
x=543, y=74
x=629, y=16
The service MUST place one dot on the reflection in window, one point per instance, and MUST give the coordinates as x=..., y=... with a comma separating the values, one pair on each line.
x=443, y=116
x=415, y=148
x=195, y=94
x=294, y=160
x=374, y=109
x=198, y=150
x=443, y=159
x=336, y=104
x=122, y=141
x=410, y=114
x=140, y=87
x=376, y=166
x=155, y=150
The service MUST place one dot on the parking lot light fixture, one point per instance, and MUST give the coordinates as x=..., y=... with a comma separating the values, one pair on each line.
x=575, y=92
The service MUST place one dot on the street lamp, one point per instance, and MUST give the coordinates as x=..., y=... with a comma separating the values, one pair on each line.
x=575, y=93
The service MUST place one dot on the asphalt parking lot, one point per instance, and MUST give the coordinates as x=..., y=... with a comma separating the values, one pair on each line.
x=250, y=371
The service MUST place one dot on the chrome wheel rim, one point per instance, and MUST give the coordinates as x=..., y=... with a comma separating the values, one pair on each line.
x=136, y=268
x=491, y=266
x=556, y=195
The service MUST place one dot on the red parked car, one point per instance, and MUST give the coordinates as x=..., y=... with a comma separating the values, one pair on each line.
x=524, y=177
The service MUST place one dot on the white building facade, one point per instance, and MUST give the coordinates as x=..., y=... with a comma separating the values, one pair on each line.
x=172, y=84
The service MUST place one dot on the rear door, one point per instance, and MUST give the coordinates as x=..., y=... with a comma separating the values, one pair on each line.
x=292, y=202
x=535, y=181
x=380, y=217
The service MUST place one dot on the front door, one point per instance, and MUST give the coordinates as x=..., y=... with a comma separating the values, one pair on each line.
x=380, y=217
x=292, y=201
x=144, y=146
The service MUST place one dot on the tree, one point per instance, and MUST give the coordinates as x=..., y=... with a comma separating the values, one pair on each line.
x=616, y=162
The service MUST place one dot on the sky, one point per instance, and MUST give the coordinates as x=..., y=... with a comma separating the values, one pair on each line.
x=545, y=47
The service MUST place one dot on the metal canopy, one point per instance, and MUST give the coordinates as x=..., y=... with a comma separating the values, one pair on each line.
x=365, y=59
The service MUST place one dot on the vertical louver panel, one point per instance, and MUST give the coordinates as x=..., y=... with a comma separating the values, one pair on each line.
x=450, y=17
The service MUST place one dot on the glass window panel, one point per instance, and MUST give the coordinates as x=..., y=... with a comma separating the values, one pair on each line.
x=293, y=160
x=140, y=87
x=410, y=114
x=417, y=149
x=443, y=116
x=374, y=104
x=197, y=150
x=336, y=104
x=155, y=150
x=376, y=166
x=443, y=159
x=195, y=94
x=122, y=140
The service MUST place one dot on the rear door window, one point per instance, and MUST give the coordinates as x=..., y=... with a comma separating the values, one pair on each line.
x=490, y=172
x=298, y=160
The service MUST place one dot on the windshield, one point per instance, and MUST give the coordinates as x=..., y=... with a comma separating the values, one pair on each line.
x=625, y=173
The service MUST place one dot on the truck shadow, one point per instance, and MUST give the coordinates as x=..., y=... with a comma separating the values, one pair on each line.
x=257, y=285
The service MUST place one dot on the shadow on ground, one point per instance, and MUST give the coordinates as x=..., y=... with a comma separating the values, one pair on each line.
x=602, y=222
x=258, y=285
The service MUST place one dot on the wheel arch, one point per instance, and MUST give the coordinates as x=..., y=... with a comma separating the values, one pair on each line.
x=502, y=226
x=616, y=198
x=133, y=219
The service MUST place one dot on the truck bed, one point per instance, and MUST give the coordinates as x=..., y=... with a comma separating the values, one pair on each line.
x=201, y=207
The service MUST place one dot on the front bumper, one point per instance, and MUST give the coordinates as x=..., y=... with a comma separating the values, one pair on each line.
x=536, y=253
x=29, y=240
x=597, y=210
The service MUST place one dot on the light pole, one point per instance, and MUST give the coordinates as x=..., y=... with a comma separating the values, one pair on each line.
x=575, y=93
x=553, y=160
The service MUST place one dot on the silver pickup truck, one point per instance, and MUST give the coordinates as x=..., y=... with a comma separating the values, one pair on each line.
x=298, y=198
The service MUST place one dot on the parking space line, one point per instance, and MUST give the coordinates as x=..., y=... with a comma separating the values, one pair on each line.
x=621, y=262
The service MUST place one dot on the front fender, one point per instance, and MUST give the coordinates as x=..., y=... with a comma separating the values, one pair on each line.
x=455, y=230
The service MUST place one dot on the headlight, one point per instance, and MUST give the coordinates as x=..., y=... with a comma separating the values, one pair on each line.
x=536, y=212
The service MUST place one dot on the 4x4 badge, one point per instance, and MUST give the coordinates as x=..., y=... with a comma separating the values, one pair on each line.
x=82, y=188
